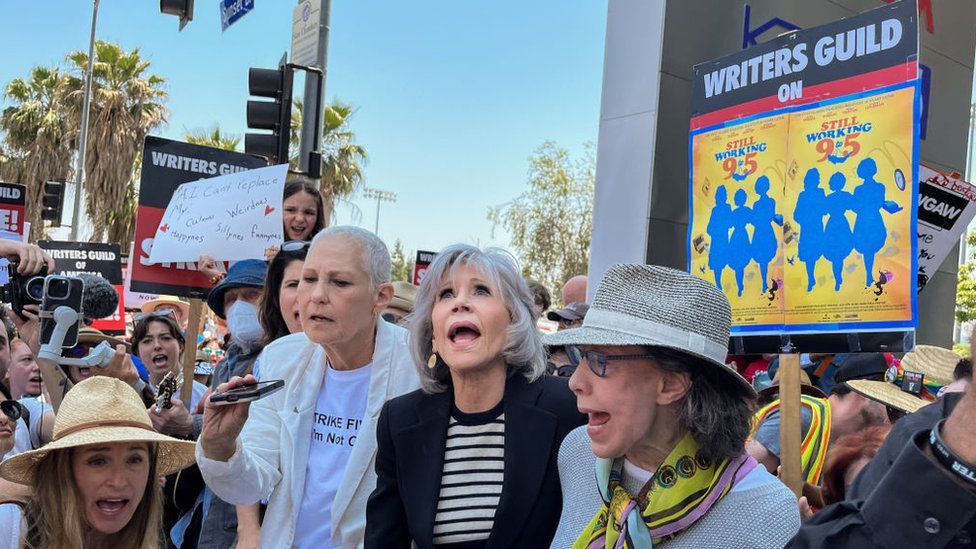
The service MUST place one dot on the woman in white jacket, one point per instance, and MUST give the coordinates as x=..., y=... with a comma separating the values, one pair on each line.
x=311, y=447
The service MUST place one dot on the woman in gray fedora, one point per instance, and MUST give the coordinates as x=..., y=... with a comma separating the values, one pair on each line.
x=667, y=424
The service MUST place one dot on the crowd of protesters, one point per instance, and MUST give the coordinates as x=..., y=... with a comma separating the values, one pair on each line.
x=443, y=416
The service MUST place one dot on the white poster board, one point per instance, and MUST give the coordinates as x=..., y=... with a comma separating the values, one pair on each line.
x=946, y=205
x=231, y=217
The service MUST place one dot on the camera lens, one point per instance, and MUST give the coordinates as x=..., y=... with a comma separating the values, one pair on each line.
x=58, y=288
x=34, y=288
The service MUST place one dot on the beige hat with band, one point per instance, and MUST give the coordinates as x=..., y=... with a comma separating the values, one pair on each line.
x=935, y=363
x=888, y=394
x=101, y=410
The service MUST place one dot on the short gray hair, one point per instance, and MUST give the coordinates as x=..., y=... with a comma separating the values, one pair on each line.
x=376, y=256
x=523, y=351
x=717, y=413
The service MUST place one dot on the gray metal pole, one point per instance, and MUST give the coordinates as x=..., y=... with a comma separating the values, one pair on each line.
x=310, y=125
x=83, y=140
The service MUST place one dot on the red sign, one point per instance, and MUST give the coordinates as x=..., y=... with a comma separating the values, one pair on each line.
x=12, y=200
x=424, y=259
x=115, y=324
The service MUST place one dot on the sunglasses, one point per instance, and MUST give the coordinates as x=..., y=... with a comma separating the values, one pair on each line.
x=165, y=312
x=566, y=370
x=295, y=245
x=598, y=361
x=81, y=350
x=12, y=409
x=209, y=351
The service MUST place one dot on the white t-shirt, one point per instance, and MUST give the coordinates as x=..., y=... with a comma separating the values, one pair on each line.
x=25, y=439
x=10, y=524
x=338, y=415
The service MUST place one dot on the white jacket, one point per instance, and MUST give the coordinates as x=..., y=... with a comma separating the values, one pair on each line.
x=272, y=451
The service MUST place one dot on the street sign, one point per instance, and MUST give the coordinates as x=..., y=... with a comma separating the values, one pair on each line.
x=305, y=33
x=231, y=11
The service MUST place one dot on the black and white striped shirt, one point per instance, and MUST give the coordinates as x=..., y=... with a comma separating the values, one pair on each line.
x=471, y=481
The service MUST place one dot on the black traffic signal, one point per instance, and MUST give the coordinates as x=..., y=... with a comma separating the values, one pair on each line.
x=52, y=202
x=272, y=115
x=180, y=8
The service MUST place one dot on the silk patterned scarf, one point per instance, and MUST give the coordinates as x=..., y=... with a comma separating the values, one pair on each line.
x=684, y=487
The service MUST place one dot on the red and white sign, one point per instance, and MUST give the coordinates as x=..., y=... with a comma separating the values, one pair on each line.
x=424, y=259
x=12, y=201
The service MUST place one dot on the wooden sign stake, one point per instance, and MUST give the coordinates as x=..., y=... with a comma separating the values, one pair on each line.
x=190, y=352
x=789, y=428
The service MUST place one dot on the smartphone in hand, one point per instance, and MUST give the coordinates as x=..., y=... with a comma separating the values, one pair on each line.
x=247, y=393
x=61, y=291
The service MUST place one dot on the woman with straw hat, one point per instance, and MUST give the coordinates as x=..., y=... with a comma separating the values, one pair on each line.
x=96, y=483
x=662, y=461
x=917, y=381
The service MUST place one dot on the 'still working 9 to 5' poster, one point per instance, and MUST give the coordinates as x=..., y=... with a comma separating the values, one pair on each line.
x=804, y=160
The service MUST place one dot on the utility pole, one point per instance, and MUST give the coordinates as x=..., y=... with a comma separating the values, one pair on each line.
x=380, y=196
x=312, y=124
x=83, y=140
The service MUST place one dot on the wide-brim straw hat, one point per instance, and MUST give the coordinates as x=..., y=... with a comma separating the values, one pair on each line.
x=91, y=335
x=101, y=410
x=935, y=363
x=150, y=306
x=404, y=294
x=888, y=394
x=654, y=306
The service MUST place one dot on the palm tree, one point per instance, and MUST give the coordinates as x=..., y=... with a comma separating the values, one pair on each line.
x=36, y=134
x=126, y=104
x=214, y=138
x=342, y=157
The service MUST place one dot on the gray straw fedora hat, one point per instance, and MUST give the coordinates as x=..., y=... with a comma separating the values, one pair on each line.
x=655, y=306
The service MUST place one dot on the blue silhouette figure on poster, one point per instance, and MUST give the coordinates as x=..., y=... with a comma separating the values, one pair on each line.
x=811, y=207
x=764, y=241
x=719, y=225
x=740, y=253
x=838, y=238
x=870, y=232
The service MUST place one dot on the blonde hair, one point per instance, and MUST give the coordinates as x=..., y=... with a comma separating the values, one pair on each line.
x=56, y=518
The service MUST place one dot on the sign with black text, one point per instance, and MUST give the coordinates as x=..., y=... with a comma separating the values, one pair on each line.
x=104, y=260
x=946, y=205
x=12, y=202
x=424, y=259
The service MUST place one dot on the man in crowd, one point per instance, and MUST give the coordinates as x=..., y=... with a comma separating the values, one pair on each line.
x=574, y=291
x=346, y=365
x=402, y=304
x=541, y=298
x=570, y=316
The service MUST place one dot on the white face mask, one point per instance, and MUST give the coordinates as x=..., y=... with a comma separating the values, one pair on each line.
x=242, y=321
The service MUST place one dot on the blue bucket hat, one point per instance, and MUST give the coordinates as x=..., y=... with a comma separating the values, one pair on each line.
x=248, y=273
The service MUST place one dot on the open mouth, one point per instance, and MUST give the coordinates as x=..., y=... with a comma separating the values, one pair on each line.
x=84, y=371
x=111, y=506
x=596, y=420
x=463, y=333
x=160, y=360
x=36, y=379
x=298, y=229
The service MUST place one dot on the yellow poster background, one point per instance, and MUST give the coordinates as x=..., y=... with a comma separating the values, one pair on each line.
x=792, y=145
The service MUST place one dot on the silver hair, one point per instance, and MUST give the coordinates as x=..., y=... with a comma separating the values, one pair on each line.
x=523, y=351
x=376, y=256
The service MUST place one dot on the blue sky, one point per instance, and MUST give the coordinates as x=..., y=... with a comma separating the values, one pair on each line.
x=452, y=96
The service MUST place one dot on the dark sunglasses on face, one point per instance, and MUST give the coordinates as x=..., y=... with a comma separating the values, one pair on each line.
x=295, y=245
x=597, y=361
x=165, y=312
x=12, y=409
x=566, y=370
x=81, y=350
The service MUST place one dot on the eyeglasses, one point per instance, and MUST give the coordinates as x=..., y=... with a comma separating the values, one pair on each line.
x=209, y=351
x=295, y=245
x=12, y=409
x=165, y=312
x=566, y=370
x=565, y=324
x=598, y=361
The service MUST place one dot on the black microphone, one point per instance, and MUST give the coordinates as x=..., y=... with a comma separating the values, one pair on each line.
x=99, y=299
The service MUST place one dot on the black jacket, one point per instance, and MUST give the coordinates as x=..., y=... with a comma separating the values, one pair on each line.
x=411, y=436
x=903, y=499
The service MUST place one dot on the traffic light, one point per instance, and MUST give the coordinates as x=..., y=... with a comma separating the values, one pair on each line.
x=274, y=115
x=52, y=202
x=180, y=8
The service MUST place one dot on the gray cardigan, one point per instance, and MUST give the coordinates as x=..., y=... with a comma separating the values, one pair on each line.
x=758, y=512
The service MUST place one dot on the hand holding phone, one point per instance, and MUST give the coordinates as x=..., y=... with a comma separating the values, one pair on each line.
x=223, y=424
x=247, y=393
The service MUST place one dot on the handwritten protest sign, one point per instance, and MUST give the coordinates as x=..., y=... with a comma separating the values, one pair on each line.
x=946, y=205
x=232, y=217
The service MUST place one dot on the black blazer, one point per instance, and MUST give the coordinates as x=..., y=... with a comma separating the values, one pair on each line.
x=411, y=437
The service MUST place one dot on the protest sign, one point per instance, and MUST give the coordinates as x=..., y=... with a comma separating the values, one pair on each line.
x=946, y=205
x=104, y=260
x=420, y=265
x=803, y=167
x=166, y=165
x=231, y=217
x=12, y=202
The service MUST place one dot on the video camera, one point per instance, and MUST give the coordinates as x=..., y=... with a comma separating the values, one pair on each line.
x=21, y=290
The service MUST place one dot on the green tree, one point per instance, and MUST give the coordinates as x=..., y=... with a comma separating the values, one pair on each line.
x=342, y=158
x=37, y=137
x=126, y=104
x=214, y=138
x=551, y=222
x=402, y=266
x=966, y=286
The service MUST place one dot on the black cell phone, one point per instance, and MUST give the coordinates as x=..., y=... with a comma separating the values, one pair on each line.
x=61, y=291
x=247, y=393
